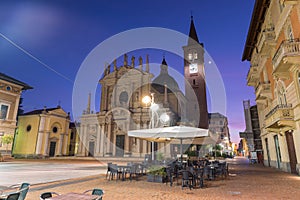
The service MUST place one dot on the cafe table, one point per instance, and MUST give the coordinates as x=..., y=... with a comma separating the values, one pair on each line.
x=123, y=169
x=74, y=196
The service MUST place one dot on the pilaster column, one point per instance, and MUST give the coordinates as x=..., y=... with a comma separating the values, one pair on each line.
x=45, y=153
x=102, y=139
x=98, y=139
x=65, y=144
x=60, y=143
x=79, y=152
x=40, y=136
x=108, y=147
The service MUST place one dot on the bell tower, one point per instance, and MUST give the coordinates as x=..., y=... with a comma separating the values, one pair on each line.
x=194, y=73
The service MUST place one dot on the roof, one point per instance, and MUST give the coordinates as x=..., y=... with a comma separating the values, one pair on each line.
x=15, y=81
x=164, y=79
x=258, y=16
x=40, y=111
x=192, y=34
x=215, y=115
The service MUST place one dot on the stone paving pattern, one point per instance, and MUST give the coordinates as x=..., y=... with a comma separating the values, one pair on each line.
x=246, y=181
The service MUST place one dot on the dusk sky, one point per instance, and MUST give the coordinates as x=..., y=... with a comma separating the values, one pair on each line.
x=44, y=43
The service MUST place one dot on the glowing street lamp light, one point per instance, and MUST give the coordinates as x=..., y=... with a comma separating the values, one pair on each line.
x=164, y=118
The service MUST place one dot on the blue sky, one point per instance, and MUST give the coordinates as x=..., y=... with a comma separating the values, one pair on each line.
x=58, y=35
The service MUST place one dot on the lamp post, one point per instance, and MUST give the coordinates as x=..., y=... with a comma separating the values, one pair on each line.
x=153, y=107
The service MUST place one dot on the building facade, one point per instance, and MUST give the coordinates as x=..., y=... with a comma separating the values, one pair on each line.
x=122, y=109
x=42, y=133
x=219, y=131
x=10, y=94
x=273, y=49
x=252, y=131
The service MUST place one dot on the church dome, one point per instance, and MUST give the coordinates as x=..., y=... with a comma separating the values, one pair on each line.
x=165, y=79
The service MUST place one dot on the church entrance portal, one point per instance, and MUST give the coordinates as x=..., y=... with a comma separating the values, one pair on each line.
x=120, y=140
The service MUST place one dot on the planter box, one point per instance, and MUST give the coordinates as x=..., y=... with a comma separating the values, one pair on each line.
x=155, y=178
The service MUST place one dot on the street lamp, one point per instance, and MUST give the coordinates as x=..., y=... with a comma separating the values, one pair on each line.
x=153, y=107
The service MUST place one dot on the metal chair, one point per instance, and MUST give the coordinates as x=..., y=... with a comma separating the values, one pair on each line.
x=96, y=191
x=23, y=190
x=108, y=169
x=187, y=179
x=46, y=195
x=12, y=196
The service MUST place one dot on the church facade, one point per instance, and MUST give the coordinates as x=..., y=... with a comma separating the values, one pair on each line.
x=123, y=88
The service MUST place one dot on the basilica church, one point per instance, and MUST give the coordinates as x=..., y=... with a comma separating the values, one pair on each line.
x=122, y=105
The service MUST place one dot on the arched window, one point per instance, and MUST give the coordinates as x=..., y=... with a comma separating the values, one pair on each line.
x=281, y=94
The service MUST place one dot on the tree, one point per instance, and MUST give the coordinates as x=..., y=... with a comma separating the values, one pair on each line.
x=7, y=139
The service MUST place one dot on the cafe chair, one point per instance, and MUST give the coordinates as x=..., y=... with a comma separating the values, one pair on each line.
x=23, y=190
x=96, y=191
x=46, y=195
x=187, y=179
x=11, y=196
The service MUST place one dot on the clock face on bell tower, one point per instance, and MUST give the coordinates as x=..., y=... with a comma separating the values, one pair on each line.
x=195, y=87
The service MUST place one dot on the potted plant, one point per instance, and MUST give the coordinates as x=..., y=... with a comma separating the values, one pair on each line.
x=156, y=173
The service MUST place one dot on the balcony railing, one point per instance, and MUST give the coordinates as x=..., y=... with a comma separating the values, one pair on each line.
x=284, y=57
x=278, y=107
x=263, y=89
x=267, y=40
x=280, y=116
x=252, y=75
x=290, y=1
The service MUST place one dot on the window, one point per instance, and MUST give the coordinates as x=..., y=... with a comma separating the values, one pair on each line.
x=4, y=111
x=281, y=93
x=195, y=56
x=281, y=5
x=72, y=136
x=290, y=35
x=190, y=56
x=8, y=88
x=55, y=129
x=28, y=128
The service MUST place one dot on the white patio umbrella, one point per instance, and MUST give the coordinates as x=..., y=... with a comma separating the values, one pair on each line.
x=168, y=133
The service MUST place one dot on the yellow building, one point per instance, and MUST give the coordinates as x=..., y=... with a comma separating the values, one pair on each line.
x=273, y=48
x=42, y=133
x=10, y=94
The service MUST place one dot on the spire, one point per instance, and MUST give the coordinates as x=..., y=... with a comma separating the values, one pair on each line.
x=147, y=63
x=193, y=34
x=88, y=109
x=164, y=66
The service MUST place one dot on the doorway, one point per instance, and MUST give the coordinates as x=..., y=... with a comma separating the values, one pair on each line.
x=277, y=148
x=52, y=149
x=268, y=151
x=291, y=151
x=120, y=140
x=91, y=148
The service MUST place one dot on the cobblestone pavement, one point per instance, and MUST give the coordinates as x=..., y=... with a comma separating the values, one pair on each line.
x=246, y=181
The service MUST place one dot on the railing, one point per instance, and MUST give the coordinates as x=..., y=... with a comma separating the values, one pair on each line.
x=268, y=35
x=286, y=48
x=278, y=107
x=253, y=69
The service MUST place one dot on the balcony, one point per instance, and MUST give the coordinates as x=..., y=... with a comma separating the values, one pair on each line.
x=252, y=77
x=280, y=118
x=263, y=90
x=287, y=55
x=267, y=41
x=290, y=1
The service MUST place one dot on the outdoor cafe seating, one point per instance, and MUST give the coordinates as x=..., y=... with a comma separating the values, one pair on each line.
x=92, y=194
x=18, y=191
